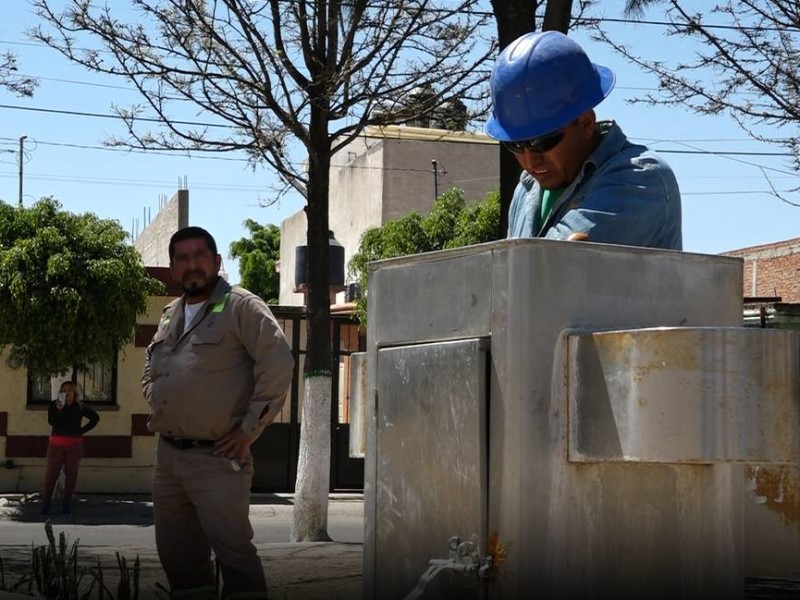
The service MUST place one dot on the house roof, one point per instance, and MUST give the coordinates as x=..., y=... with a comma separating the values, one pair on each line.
x=407, y=132
x=773, y=249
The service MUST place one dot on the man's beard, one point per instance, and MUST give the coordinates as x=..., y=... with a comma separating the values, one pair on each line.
x=195, y=289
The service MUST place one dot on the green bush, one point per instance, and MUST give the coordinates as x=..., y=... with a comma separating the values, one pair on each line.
x=55, y=574
x=451, y=223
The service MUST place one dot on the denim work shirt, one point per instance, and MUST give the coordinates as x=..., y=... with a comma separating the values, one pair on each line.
x=624, y=194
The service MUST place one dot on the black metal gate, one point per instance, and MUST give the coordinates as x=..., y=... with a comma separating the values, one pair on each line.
x=276, y=451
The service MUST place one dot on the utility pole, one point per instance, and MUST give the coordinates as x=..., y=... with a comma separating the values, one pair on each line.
x=435, y=164
x=21, y=158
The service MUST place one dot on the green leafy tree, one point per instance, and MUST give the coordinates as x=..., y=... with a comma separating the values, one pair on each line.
x=258, y=256
x=70, y=287
x=451, y=223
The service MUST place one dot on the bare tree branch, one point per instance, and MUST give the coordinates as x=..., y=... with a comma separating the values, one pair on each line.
x=747, y=64
x=21, y=85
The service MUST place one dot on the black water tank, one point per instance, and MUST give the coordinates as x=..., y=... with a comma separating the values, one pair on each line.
x=335, y=264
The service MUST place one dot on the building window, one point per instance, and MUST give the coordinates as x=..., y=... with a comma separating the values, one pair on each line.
x=97, y=385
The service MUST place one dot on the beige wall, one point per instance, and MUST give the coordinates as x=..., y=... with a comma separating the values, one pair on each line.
x=471, y=165
x=386, y=174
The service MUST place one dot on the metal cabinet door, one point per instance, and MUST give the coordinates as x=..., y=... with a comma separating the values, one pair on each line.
x=431, y=463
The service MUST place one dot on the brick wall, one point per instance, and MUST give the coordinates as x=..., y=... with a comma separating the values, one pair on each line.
x=772, y=270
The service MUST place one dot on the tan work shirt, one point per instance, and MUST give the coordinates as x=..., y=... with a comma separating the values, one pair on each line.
x=233, y=366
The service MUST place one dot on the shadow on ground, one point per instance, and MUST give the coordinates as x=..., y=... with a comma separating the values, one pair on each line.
x=86, y=510
x=101, y=509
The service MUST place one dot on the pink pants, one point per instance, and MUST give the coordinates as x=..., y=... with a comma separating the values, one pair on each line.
x=68, y=457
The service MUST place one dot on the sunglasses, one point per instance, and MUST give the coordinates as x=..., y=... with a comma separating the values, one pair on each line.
x=540, y=144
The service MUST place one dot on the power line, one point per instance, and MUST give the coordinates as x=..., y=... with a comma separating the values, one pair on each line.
x=256, y=188
x=77, y=82
x=754, y=28
x=628, y=88
x=592, y=20
x=77, y=113
x=723, y=153
x=173, y=154
x=733, y=192
x=133, y=182
x=179, y=153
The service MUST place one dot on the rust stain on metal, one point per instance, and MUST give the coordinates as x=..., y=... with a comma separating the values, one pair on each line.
x=667, y=349
x=779, y=488
x=497, y=551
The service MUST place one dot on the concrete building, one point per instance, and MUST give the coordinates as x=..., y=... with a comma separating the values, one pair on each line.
x=387, y=173
x=153, y=241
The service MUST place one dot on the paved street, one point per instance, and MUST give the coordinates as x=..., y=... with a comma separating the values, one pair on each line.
x=108, y=524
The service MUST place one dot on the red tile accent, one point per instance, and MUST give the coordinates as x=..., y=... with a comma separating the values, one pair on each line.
x=26, y=446
x=95, y=446
x=165, y=277
x=108, y=446
x=144, y=333
x=3, y=423
x=139, y=425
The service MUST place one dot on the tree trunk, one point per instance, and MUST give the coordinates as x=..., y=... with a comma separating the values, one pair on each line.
x=310, y=519
x=514, y=18
x=557, y=15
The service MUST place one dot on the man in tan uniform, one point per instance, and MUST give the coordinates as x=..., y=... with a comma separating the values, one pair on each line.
x=215, y=375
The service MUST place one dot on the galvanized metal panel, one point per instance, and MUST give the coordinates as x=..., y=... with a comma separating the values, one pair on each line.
x=431, y=462
x=545, y=510
x=445, y=296
x=684, y=395
x=358, y=404
x=560, y=529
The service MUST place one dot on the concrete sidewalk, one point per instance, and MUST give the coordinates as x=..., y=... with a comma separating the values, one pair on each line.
x=105, y=525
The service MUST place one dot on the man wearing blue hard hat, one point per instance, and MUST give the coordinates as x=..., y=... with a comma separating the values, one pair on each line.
x=581, y=179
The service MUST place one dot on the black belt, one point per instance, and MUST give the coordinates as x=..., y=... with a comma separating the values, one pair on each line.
x=183, y=444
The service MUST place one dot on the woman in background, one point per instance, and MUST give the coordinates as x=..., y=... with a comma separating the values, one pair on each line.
x=65, y=448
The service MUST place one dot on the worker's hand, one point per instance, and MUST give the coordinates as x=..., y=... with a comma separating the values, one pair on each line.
x=579, y=236
x=234, y=444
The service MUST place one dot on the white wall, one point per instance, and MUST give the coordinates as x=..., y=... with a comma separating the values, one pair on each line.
x=293, y=234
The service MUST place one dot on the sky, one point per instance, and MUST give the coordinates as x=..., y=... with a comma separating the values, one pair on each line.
x=726, y=199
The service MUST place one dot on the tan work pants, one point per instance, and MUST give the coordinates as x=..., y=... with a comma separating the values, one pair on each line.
x=201, y=503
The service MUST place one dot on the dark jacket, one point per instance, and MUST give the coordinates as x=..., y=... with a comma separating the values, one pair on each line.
x=67, y=421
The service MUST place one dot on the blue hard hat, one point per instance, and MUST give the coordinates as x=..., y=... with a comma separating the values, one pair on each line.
x=542, y=82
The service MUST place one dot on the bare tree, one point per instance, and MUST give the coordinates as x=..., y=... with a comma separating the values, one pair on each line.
x=273, y=72
x=747, y=64
x=514, y=18
x=10, y=79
